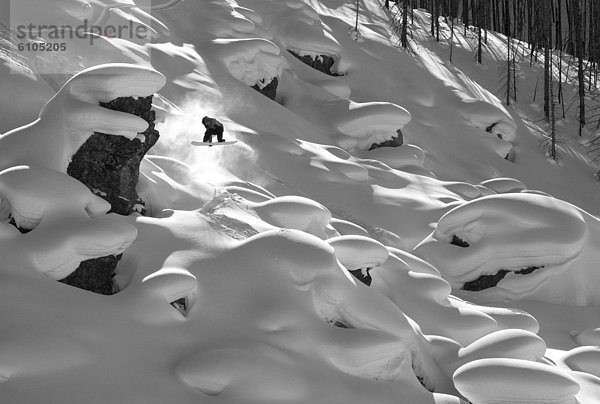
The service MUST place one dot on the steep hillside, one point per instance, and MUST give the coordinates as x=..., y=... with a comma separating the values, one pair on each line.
x=384, y=230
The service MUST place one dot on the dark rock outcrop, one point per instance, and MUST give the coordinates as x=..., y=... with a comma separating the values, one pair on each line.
x=269, y=90
x=363, y=277
x=95, y=275
x=21, y=229
x=395, y=141
x=109, y=166
x=322, y=63
x=459, y=241
x=489, y=281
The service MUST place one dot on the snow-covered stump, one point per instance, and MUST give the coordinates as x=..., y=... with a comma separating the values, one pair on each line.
x=109, y=166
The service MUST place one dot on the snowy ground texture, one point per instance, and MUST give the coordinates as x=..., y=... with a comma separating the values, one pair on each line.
x=238, y=287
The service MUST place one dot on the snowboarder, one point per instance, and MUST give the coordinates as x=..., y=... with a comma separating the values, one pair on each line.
x=213, y=127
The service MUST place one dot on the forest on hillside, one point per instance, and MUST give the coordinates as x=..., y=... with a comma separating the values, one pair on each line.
x=563, y=35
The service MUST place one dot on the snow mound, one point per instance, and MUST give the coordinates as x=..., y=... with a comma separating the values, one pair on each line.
x=236, y=294
x=344, y=227
x=514, y=246
x=31, y=193
x=418, y=290
x=253, y=61
x=510, y=343
x=514, y=381
x=589, y=337
x=73, y=114
x=57, y=247
x=298, y=27
x=216, y=19
x=398, y=157
x=466, y=191
x=504, y=185
x=358, y=252
x=163, y=290
x=294, y=212
x=584, y=359
x=66, y=231
x=287, y=295
x=371, y=122
x=249, y=191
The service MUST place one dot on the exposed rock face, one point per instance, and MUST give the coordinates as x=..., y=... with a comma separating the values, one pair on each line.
x=270, y=90
x=109, y=166
x=489, y=281
x=395, y=141
x=459, y=242
x=322, y=63
x=363, y=276
x=22, y=230
x=95, y=275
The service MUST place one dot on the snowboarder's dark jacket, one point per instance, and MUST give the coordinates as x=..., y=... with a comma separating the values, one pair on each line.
x=213, y=128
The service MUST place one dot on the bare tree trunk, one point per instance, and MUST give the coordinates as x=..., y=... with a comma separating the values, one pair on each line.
x=357, y=9
x=437, y=20
x=403, y=35
x=451, y=35
x=552, y=124
x=552, y=103
x=432, y=13
x=465, y=15
x=479, y=36
x=579, y=47
x=547, y=67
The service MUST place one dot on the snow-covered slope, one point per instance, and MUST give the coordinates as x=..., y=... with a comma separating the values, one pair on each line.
x=241, y=286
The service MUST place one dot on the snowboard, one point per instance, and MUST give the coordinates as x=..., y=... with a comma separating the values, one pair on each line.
x=199, y=143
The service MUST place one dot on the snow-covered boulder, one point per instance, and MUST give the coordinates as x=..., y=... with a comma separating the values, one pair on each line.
x=588, y=337
x=584, y=359
x=510, y=343
x=504, y=185
x=56, y=248
x=294, y=212
x=254, y=61
x=517, y=245
x=501, y=380
x=322, y=63
x=69, y=226
x=400, y=158
x=370, y=122
x=345, y=228
x=418, y=290
x=74, y=114
x=299, y=29
x=110, y=165
x=166, y=295
x=30, y=194
x=359, y=254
